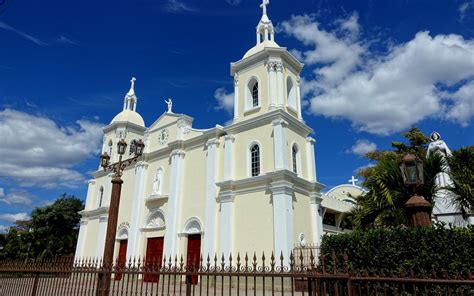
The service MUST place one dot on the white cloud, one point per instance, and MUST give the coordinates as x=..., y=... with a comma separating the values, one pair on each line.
x=24, y=35
x=178, y=6
x=233, y=2
x=225, y=100
x=14, y=217
x=465, y=8
x=384, y=93
x=362, y=147
x=44, y=154
x=64, y=40
x=15, y=198
x=3, y=228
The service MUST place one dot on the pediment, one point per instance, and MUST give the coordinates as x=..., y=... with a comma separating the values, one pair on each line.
x=169, y=119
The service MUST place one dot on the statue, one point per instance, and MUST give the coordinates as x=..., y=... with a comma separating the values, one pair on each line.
x=438, y=146
x=169, y=102
x=157, y=182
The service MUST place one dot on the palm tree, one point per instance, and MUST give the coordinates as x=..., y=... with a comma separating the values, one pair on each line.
x=461, y=171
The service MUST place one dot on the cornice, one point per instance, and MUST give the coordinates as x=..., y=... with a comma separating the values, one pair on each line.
x=126, y=124
x=267, y=118
x=94, y=213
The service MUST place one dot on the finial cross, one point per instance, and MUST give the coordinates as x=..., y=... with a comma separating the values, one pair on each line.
x=353, y=180
x=264, y=6
x=132, y=81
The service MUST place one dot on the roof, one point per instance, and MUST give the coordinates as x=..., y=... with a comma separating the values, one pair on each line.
x=129, y=116
x=260, y=47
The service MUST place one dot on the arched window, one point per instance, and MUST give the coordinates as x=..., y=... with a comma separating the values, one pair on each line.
x=252, y=99
x=255, y=160
x=294, y=154
x=132, y=147
x=291, y=93
x=255, y=95
x=101, y=196
x=111, y=145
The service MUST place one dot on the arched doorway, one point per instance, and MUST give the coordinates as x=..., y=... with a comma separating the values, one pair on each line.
x=193, y=230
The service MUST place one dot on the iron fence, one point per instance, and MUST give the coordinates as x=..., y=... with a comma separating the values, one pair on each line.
x=222, y=276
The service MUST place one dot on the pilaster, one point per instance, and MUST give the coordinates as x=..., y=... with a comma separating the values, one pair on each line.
x=236, y=96
x=279, y=71
x=280, y=145
x=226, y=199
x=137, y=205
x=298, y=97
x=228, y=156
x=317, y=213
x=282, y=195
x=174, y=202
x=272, y=84
x=211, y=178
x=99, y=251
x=90, y=195
x=311, y=159
x=81, y=239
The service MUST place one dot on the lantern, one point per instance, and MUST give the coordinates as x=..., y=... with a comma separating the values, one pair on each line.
x=412, y=170
x=121, y=147
x=139, y=147
x=104, y=160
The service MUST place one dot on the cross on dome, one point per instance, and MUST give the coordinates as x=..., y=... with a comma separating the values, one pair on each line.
x=353, y=181
x=130, y=100
x=132, y=82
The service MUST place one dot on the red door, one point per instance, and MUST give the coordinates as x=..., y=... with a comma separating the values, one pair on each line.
x=194, y=253
x=154, y=258
x=121, y=259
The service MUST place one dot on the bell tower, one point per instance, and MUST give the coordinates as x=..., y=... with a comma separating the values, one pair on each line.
x=267, y=77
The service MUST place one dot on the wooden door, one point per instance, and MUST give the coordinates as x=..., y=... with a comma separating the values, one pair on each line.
x=121, y=259
x=154, y=258
x=193, y=258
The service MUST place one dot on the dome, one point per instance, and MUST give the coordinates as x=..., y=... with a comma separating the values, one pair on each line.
x=260, y=47
x=129, y=116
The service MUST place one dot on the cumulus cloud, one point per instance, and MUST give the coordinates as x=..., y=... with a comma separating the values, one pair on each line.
x=14, y=217
x=362, y=147
x=15, y=198
x=45, y=153
x=3, y=228
x=225, y=101
x=384, y=93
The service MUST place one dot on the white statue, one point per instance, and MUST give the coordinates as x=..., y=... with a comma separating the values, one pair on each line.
x=157, y=182
x=169, y=102
x=438, y=146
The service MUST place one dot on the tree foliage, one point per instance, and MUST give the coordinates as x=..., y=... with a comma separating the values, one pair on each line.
x=52, y=231
x=383, y=204
x=461, y=166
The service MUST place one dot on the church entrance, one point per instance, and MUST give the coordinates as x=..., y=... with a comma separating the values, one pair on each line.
x=194, y=254
x=154, y=258
x=121, y=259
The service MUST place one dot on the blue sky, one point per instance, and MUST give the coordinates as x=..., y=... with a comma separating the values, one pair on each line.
x=373, y=69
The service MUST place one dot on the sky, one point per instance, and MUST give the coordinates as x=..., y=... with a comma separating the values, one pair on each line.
x=373, y=69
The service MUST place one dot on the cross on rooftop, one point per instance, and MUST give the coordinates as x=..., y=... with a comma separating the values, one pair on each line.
x=264, y=6
x=353, y=180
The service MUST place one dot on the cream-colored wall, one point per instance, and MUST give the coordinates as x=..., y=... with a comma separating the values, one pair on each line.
x=253, y=224
x=91, y=239
x=126, y=196
x=300, y=140
x=153, y=143
x=259, y=70
x=264, y=136
x=302, y=218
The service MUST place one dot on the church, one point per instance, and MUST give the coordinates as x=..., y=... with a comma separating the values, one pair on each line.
x=250, y=186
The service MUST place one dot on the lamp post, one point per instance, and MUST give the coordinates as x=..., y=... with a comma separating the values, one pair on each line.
x=117, y=168
x=418, y=208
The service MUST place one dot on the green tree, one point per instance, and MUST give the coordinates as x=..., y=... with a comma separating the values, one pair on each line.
x=52, y=231
x=461, y=166
x=383, y=204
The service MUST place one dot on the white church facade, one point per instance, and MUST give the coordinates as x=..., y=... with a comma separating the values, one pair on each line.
x=250, y=186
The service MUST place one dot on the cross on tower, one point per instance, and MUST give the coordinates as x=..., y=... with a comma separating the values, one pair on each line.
x=132, y=81
x=264, y=6
x=353, y=181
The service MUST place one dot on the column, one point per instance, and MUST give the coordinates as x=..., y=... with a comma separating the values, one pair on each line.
x=236, y=96
x=90, y=200
x=210, y=218
x=280, y=145
x=311, y=159
x=81, y=238
x=134, y=236
x=282, y=195
x=174, y=204
x=272, y=84
x=227, y=219
x=298, y=97
x=279, y=70
x=99, y=251
x=317, y=213
x=228, y=157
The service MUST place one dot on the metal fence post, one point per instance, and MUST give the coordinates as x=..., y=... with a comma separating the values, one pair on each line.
x=35, y=284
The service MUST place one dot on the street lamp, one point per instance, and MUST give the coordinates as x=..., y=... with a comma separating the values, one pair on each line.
x=117, y=168
x=418, y=207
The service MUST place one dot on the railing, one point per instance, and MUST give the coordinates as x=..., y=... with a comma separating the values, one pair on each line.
x=234, y=276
